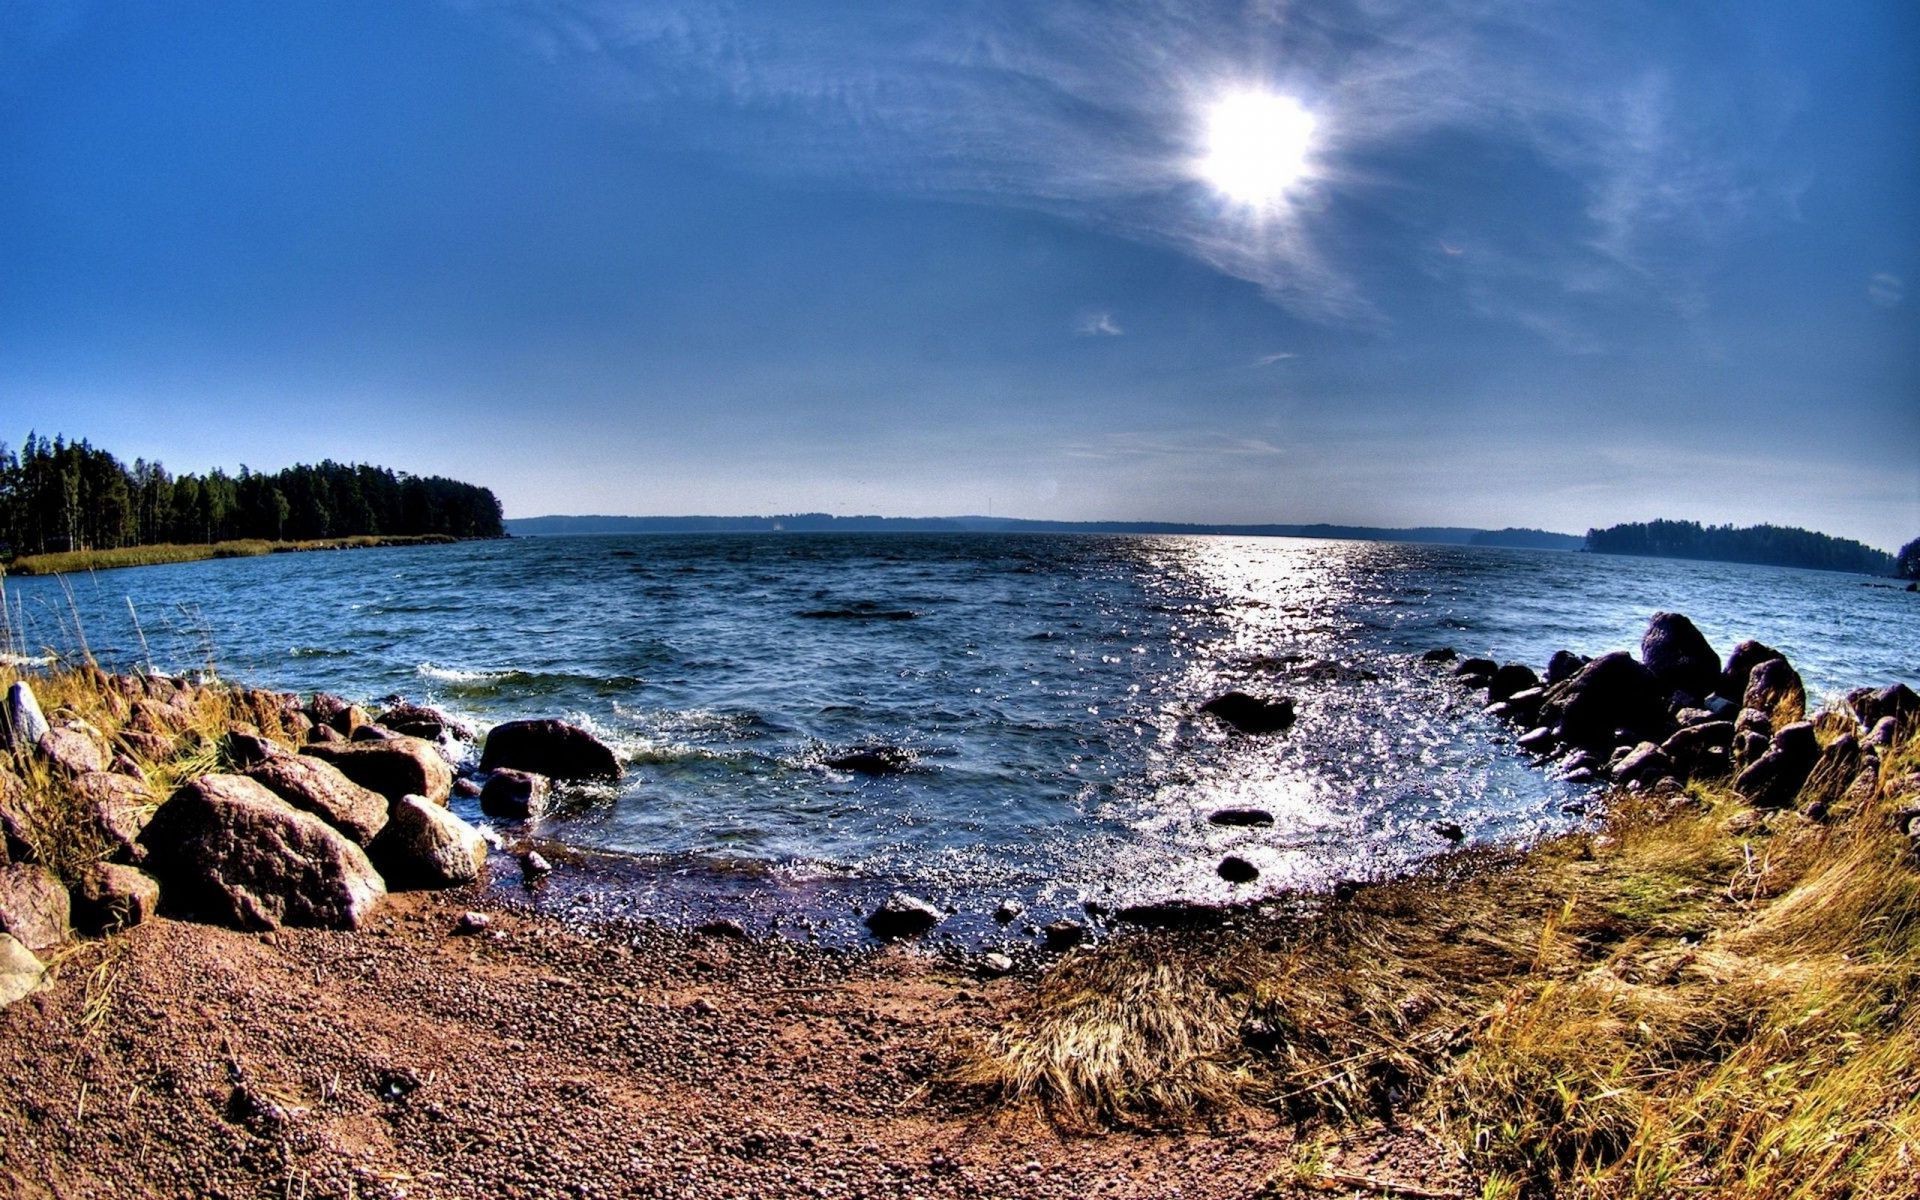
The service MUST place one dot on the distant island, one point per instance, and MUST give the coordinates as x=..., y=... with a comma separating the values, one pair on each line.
x=827, y=523
x=1769, y=545
x=78, y=506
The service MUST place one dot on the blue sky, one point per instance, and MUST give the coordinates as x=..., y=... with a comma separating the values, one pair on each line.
x=1546, y=264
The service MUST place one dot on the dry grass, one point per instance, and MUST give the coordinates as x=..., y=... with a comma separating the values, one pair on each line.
x=146, y=556
x=1695, y=999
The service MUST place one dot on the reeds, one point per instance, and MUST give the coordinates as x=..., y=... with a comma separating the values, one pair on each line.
x=146, y=556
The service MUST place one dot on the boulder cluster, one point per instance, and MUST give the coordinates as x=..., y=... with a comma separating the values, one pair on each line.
x=309, y=813
x=1679, y=712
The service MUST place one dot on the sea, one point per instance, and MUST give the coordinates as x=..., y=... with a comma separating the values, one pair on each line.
x=1047, y=689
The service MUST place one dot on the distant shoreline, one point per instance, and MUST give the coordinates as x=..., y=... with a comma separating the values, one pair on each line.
x=69, y=562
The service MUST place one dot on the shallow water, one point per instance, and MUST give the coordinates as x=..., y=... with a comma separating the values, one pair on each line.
x=1046, y=685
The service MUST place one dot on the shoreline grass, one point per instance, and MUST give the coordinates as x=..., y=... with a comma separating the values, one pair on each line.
x=74, y=561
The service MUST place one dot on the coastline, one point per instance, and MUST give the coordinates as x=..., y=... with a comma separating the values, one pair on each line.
x=74, y=561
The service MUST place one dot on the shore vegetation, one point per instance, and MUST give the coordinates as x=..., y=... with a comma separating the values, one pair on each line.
x=72, y=561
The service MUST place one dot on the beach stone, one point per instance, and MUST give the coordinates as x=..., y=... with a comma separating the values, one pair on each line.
x=1475, y=670
x=1701, y=751
x=1538, y=740
x=903, y=915
x=227, y=849
x=144, y=746
x=1564, y=664
x=1774, y=778
x=1644, y=763
x=1896, y=702
x=1240, y=817
x=472, y=922
x=1235, y=869
x=1883, y=733
x=328, y=709
x=1008, y=911
x=118, y=807
x=1251, y=714
x=1440, y=654
x=34, y=906
x=1686, y=716
x=872, y=760
x=1740, y=664
x=397, y=767
x=1679, y=656
x=1064, y=934
x=425, y=846
x=71, y=751
x=21, y=974
x=1511, y=679
x=534, y=865
x=514, y=795
x=110, y=896
x=551, y=748
x=1611, y=692
x=243, y=746
x=25, y=724
x=1775, y=689
x=325, y=735
x=371, y=733
x=417, y=720
x=994, y=964
x=315, y=786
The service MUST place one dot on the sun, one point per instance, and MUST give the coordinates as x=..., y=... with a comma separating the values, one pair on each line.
x=1256, y=147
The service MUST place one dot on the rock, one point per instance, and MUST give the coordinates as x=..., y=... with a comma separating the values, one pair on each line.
x=1188, y=914
x=1722, y=708
x=872, y=760
x=109, y=896
x=1883, y=733
x=1645, y=763
x=1450, y=831
x=1564, y=665
x=118, y=808
x=1538, y=740
x=325, y=735
x=34, y=906
x=994, y=964
x=1240, y=817
x=371, y=733
x=1684, y=717
x=1752, y=720
x=471, y=922
x=1679, y=656
x=466, y=787
x=22, y=724
x=1775, y=689
x=1580, y=775
x=1775, y=778
x=551, y=748
x=1251, y=714
x=123, y=764
x=1439, y=654
x=1609, y=693
x=243, y=747
x=1235, y=869
x=1008, y=911
x=514, y=795
x=318, y=787
x=417, y=720
x=21, y=974
x=1511, y=679
x=1475, y=670
x=16, y=829
x=902, y=916
x=397, y=767
x=534, y=865
x=1896, y=702
x=723, y=927
x=71, y=752
x=143, y=746
x=1064, y=934
x=1740, y=664
x=1747, y=747
x=227, y=849
x=328, y=709
x=425, y=846
x=1701, y=751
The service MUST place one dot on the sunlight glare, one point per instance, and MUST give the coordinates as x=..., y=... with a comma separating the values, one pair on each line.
x=1256, y=146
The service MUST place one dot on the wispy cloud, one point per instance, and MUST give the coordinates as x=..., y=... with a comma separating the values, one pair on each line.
x=1098, y=324
x=1886, y=289
x=1207, y=445
x=1089, y=111
x=1267, y=360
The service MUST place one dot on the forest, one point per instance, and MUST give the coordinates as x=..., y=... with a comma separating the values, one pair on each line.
x=1773, y=545
x=57, y=495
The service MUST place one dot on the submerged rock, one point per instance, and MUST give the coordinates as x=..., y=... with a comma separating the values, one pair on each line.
x=227, y=849
x=1440, y=654
x=1251, y=714
x=872, y=760
x=1008, y=911
x=1235, y=869
x=903, y=915
x=1240, y=817
x=551, y=748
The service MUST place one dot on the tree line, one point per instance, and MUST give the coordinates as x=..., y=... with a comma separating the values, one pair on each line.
x=59, y=495
x=1773, y=545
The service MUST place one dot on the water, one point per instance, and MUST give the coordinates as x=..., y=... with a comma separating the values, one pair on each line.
x=1047, y=687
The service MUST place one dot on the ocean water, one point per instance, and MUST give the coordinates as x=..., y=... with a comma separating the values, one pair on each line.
x=1047, y=688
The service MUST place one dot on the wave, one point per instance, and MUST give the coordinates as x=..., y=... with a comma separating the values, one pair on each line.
x=498, y=681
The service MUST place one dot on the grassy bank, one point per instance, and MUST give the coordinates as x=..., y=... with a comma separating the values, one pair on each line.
x=1698, y=998
x=148, y=556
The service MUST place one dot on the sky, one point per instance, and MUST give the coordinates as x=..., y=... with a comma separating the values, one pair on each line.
x=1436, y=262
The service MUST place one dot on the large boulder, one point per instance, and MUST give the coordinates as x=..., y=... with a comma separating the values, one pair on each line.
x=34, y=906
x=1510, y=680
x=551, y=748
x=109, y=896
x=514, y=795
x=1775, y=778
x=1873, y=705
x=417, y=720
x=1740, y=664
x=1701, y=751
x=118, y=808
x=318, y=787
x=1679, y=656
x=396, y=767
x=425, y=846
x=1612, y=692
x=1564, y=664
x=227, y=849
x=341, y=715
x=22, y=724
x=1775, y=689
x=1251, y=714
x=21, y=974
x=72, y=751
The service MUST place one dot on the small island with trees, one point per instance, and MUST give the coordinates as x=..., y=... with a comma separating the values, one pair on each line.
x=1768, y=545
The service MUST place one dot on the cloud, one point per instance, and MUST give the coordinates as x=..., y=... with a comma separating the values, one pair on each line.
x=1205, y=445
x=1089, y=111
x=1098, y=324
x=1267, y=360
x=1886, y=289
